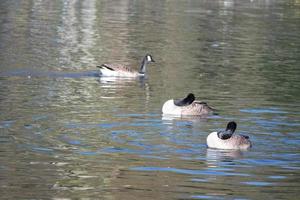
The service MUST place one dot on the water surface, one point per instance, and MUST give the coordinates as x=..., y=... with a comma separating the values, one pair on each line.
x=67, y=133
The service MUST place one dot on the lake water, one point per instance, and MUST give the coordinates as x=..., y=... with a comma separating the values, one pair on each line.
x=66, y=133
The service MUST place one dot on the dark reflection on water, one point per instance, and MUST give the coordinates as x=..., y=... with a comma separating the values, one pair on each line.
x=67, y=133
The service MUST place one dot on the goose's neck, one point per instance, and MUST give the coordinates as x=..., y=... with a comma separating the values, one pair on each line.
x=143, y=66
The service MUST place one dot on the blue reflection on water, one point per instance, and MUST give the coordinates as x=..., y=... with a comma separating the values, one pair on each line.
x=205, y=197
x=32, y=73
x=258, y=183
x=42, y=149
x=272, y=110
x=6, y=123
x=217, y=172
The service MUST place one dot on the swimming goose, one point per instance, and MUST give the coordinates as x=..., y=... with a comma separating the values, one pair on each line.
x=226, y=139
x=124, y=71
x=186, y=106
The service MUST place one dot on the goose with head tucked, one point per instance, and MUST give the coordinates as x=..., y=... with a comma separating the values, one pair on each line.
x=118, y=70
x=227, y=140
x=186, y=106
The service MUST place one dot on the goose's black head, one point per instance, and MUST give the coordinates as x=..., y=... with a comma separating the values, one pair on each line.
x=190, y=97
x=149, y=58
x=231, y=126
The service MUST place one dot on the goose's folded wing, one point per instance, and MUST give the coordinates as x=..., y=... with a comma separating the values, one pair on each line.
x=205, y=105
x=115, y=67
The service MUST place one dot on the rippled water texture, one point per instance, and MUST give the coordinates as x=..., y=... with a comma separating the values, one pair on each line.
x=66, y=133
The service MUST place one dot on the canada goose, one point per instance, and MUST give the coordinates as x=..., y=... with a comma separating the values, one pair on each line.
x=124, y=71
x=226, y=139
x=186, y=106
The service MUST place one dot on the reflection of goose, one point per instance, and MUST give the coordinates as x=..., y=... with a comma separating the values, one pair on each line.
x=124, y=71
x=167, y=118
x=186, y=106
x=226, y=139
x=115, y=80
x=222, y=155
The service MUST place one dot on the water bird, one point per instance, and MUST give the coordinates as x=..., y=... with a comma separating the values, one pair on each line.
x=186, y=106
x=227, y=140
x=119, y=70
